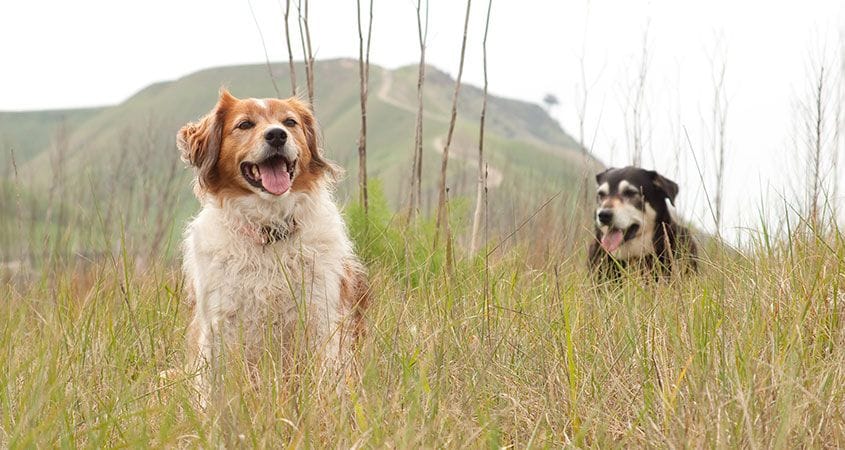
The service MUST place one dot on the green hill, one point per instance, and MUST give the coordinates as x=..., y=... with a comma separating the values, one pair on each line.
x=120, y=162
x=29, y=132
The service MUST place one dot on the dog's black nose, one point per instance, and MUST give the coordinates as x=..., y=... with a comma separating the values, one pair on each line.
x=276, y=137
x=605, y=216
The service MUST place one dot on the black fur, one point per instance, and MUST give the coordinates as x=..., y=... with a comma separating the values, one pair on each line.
x=674, y=247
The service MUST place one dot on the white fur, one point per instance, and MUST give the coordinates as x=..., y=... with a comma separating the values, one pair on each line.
x=642, y=244
x=242, y=288
x=673, y=213
x=624, y=216
x=624, y=185
x=261, y=102
x=604, y=189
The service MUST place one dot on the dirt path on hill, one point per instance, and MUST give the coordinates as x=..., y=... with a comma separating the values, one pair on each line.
x=383, y=92
x=468, y=157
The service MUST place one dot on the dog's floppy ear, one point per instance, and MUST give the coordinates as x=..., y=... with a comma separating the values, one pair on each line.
x=669, y=187
x=199, y=142
x=600, y=175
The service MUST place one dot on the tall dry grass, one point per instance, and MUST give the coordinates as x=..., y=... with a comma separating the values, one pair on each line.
x=745, y=354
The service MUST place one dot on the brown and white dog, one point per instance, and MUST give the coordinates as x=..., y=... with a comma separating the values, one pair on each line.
x=269, y=244
x=636, y=225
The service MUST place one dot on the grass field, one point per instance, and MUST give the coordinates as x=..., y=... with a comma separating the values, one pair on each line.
x=515, y=349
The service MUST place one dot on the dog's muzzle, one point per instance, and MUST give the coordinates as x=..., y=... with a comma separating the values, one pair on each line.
x=614, y=234
x=273, y=173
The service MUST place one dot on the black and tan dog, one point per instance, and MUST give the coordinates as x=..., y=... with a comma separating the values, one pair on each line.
x=636, y=226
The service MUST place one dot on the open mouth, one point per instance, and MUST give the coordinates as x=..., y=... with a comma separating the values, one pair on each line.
x=273, y=175
x=615, y=237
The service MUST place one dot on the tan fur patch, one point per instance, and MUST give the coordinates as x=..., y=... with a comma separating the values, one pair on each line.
x=355, y=296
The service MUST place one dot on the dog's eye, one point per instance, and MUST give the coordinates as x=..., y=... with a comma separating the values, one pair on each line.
x=602, y=195
x=245, y=125
x=630, y=193
x=289, y=122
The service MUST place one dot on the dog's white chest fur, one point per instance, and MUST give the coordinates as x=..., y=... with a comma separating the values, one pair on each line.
x=242, y=287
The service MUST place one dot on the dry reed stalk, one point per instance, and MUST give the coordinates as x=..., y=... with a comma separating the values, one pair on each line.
x=364, y=77
x=290, y=51
x=415, y=194
x=481, y=192
x=442, y=222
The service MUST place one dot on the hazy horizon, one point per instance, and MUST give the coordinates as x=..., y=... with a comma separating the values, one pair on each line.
x=538, y=47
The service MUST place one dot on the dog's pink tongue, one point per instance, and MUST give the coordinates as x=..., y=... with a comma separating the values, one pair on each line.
x=612, y=240
x=275, y=178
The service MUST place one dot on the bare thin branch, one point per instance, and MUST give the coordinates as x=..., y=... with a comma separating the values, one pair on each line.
x=634, y=129
x=442, y=222
x=481, y=192
x=264, y=46
x=415, y=194
x=364, y=77
x=308, y=55
x=719, y=141
x=290, y=50
x=816, y=150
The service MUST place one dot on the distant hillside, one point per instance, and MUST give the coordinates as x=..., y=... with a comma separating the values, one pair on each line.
x=31, y=132
x=126, y=153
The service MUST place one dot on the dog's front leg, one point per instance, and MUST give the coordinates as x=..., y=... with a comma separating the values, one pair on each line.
x=200, y=357
x=331, y=343
x=208, y=332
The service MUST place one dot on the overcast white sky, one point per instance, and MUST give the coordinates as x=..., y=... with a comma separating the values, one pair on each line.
x=58, y=54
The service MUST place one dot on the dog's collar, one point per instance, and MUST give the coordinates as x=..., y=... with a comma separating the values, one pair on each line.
x=268, y=234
